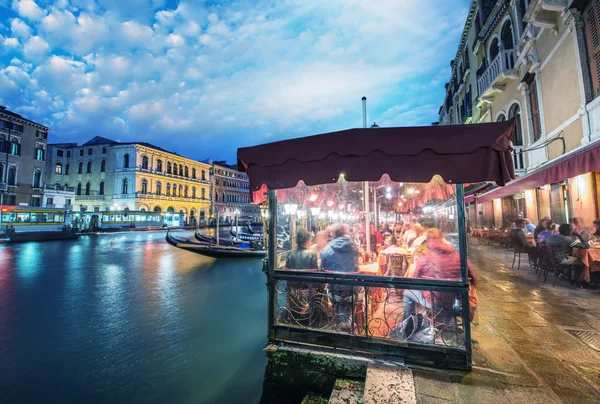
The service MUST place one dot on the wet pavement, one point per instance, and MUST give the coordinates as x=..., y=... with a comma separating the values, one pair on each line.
x=528, y=340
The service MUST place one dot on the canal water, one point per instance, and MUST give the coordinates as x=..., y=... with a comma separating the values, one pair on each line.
x=128, y=317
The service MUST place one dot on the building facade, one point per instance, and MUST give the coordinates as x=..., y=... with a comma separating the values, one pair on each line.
x=108, y=175
x=537, y=62
x=22, y=159
x=231, y=194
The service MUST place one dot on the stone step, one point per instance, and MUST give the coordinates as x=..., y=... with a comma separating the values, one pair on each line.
x=347, y=392
x=389, y=383
x=312, y=398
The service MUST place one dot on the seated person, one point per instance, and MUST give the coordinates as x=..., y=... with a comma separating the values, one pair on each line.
x=596, y=234
x=420, y=239
x=341, y=254
x=300, y=294
x=542, y=226
x=384, y=256
x=440, y=261
x=563, y=244
x=519, y=240
x=546, y=232
x=530, y=227
x=322, y=239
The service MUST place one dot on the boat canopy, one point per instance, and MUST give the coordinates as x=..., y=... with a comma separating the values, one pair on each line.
x=458, y=153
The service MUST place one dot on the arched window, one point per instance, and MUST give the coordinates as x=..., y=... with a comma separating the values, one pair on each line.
x=203, y=175
x=158, y=188
x=187, y=171
x=170, y=209
x=507, y=36
x=126, y=161
x=12, y=175
x=103, y=166
x=79, y=189
x=40, y=153
x=203, y=192
x=181, y=170
x=194, y=192
x=144, y=162
x=224, y=200
x=37, y=179
x=124, y=188
x=67, y=169
x=80, y=169
x=159, y=166
x=144, y=186
x=517, y=137
x=193, y=173
x=168, y=189
x=185, y=191
x=494, y=50
x=174, y=189
x=180, y=192
x=87, y=188
x=58, y=169
x=501, y=118
x=15, y=147
x=169, y=171
x=157, y=209
x=101, y=187
x=89, y=167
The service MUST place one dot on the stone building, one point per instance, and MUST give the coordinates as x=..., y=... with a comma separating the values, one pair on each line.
x=22, y=159
x=110, y=175
x=231, y=193
x=535, y=61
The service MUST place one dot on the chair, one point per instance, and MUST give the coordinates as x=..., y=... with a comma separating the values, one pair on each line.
x=518, y=249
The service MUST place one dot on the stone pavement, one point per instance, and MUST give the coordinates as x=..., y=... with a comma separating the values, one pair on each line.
x=522, y=350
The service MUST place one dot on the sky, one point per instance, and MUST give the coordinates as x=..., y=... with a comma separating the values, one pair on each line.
x=202, y=78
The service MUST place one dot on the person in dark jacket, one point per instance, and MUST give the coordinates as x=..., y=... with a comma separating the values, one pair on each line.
x=518, y=238
x=563, y=244
x=341, y=254
x=302, y=257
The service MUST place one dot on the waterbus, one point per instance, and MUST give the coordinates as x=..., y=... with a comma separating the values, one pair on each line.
x=121, y=219
x=33, y=219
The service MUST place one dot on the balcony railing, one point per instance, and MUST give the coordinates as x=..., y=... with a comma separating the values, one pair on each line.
x=518, y=158
x=90, y=197
x=58, y=189
x=504, y=61
x=161, y=197
x=163, y=173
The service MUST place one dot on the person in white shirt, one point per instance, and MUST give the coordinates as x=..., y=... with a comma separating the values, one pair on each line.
x=411, y=233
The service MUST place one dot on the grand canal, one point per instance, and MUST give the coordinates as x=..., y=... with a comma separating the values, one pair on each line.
x=127, y=317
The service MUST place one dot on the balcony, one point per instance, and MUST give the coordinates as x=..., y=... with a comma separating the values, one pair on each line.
x=58, y=189
x=89, y=197
x=518, y=159
x=489, y=81
x=161, y=197
x=3, y=186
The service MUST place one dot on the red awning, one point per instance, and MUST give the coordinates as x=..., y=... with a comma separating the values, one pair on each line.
x=458, y=153
x=584, y=160
x=470, y=196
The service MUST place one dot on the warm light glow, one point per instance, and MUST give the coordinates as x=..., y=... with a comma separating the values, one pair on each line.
x=300, y=214
x=330, y=203
x=528, y=195
x=313, y=197
x=417, y=192
x=388, y=196
x=389, y=189
x=411, y=191
x=315, y=211
x=399, y=203
x=341, y=207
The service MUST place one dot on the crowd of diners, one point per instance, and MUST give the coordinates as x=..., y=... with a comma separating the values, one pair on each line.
x=562, y=239
x=398, y=250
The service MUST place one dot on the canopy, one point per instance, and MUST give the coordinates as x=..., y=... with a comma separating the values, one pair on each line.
x=581, y=161
x=458, y=153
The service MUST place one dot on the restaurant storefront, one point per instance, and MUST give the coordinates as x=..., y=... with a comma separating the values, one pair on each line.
x=565, y=188
x=323, y=197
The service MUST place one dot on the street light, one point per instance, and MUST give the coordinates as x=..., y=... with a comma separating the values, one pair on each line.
x=290, y=209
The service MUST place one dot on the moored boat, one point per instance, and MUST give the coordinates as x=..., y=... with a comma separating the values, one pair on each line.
x=212, y=250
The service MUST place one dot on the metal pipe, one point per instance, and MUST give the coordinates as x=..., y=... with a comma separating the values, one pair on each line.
x=366, y=194
x=364, y=107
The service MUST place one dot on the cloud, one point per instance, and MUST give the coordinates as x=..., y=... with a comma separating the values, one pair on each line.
x=19, y=29
x=28, y=9
x=36, y=49
x=186, y=77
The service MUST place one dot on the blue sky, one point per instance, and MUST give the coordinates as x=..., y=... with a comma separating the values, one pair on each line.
x=202, y=78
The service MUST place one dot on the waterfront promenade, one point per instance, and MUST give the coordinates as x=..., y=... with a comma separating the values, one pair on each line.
x=523, y=348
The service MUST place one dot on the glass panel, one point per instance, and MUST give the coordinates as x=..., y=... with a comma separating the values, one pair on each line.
x=420, y=316
x=404, y=230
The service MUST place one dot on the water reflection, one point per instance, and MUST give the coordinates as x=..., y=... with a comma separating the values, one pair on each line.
x=129, y=318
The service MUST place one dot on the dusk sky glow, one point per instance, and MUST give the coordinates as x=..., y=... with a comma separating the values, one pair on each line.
x=202, y=78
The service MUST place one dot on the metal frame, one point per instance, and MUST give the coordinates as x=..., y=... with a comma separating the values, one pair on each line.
x=415, y=353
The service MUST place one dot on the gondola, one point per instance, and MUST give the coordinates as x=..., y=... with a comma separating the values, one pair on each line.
x=212, y=240
x=214, y=251
x=245, y=236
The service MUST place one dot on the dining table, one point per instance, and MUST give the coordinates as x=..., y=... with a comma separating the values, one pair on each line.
x=588, y=256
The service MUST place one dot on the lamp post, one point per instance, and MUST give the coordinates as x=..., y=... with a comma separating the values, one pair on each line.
x=264, y=212
x=291, y=209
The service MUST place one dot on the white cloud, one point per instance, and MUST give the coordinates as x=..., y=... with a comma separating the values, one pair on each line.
x=11, y=42
x=36, y=49
x=175, y=40
x=19, y=29
x=28, y=9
